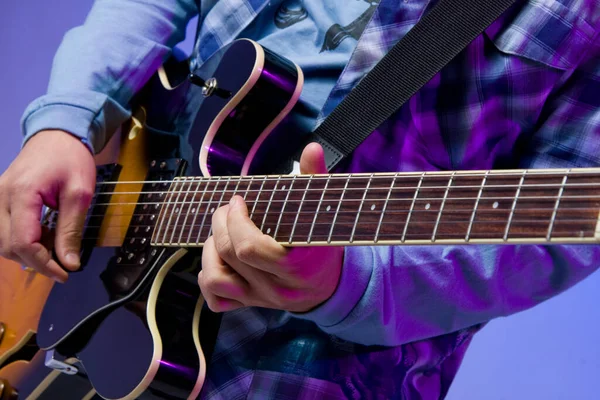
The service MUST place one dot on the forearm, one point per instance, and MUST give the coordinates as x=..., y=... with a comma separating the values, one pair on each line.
x=100, y=65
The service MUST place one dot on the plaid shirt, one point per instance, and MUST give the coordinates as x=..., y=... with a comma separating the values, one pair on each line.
x=524, y=94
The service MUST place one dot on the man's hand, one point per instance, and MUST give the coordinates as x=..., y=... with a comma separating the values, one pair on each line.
x=54, y=169
x=243, y=267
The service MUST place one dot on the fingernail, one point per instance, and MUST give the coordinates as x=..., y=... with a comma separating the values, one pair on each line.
x=233, y=201
x=57, y=279
x=72, y=259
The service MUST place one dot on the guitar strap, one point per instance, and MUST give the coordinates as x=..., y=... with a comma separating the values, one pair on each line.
x=431, y=44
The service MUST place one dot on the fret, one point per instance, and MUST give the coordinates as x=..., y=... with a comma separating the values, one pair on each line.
x=312, y=227
x=174, y=209
x=248, y=188
x=186, y=206
x=437, y=222
x=237, y=185
x=555, y=211
x=412, y=207
x=535, y=207
x=197, y=207
x=162, y=216
x=387, y=199
x=275, y=213
x=184, y=202
x=210, y=207
x=426, y=210
x=514, y=205
x=223, y=200
x=220, y=203
x=476, y=205
x=579, y=207
x=262, y=185
x=300, y=209
x=241, y=188
x=338, y=208
x=494, y=206
x=262, y=225
x=287, y=196
x=360, y=207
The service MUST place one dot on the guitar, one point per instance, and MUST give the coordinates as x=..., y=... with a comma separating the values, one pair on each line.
x=138, y=279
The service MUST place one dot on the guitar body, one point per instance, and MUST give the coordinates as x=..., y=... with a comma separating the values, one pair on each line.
x=134, y=309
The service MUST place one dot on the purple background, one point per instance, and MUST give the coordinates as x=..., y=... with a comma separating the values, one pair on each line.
x=550, y=352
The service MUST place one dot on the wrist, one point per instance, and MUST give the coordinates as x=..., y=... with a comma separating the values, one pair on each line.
x=355, y=274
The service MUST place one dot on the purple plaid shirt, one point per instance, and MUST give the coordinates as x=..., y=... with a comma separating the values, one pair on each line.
x=525, y=93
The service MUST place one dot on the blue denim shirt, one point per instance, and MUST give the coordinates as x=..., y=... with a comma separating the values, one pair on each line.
x=402, y=317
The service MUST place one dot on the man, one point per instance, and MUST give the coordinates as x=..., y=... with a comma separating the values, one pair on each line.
x=360, y=322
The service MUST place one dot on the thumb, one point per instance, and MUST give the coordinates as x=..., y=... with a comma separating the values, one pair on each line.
x=73, y=206
x=312, y=160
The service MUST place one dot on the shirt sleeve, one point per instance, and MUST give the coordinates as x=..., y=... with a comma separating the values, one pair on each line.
x=395, y=295
x=100, y=65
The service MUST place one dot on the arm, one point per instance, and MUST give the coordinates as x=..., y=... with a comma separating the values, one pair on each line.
x=97, y=69
x=395, y=295
x=103, y=63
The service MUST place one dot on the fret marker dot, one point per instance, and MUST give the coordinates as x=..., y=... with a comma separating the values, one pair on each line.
x=212, y=210
x=283, y=187
x=495, y=205
x=372, y=207
x=268, y=230
x=427, y=206
x=328, y=208
x=193, y=210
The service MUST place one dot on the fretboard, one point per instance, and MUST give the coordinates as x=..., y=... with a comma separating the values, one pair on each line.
x=516, y=206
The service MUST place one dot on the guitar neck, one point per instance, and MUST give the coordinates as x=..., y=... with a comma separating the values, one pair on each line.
x=458, y=207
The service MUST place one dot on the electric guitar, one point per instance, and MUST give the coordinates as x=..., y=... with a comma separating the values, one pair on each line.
x=135, y=316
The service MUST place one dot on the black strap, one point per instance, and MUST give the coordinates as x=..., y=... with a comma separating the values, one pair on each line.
x=435, y=40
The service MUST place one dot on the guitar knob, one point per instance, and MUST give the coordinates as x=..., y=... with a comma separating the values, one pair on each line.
x=209, y=87
x=7, y=392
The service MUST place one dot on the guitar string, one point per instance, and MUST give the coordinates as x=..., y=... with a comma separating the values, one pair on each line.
x=344, y=236
x=549, y=186
x=528, y=221
x=537, y=198
x=377, y=212
x=392, y=201
x=390, y=212
x=532, y=173
x=414, y=224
